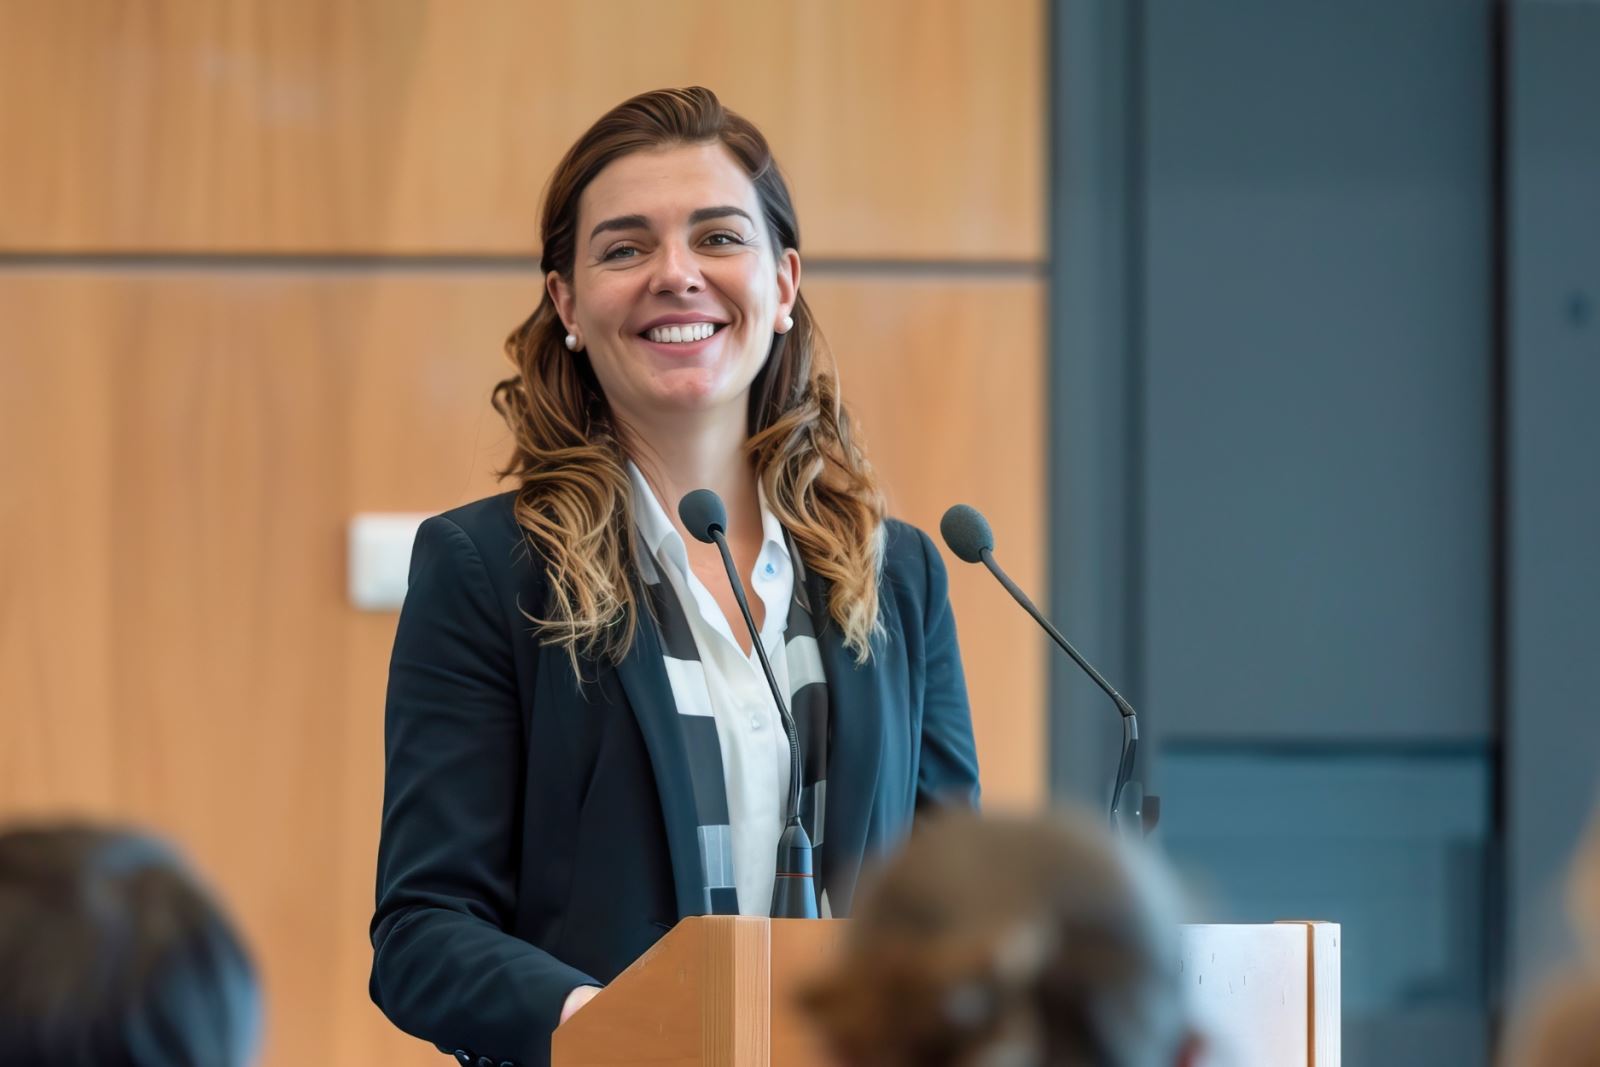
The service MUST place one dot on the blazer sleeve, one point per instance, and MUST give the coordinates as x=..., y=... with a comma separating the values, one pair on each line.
x=948, y=766
x=444, y=968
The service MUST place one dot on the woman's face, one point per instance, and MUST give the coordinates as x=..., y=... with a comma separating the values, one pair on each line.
x=672, y=242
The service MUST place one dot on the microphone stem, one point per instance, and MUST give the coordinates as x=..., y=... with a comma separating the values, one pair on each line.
x=1130, y=721
x=791, y=816
x=1066, y=646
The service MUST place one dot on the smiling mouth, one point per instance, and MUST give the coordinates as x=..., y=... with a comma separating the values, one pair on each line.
x=682, y=333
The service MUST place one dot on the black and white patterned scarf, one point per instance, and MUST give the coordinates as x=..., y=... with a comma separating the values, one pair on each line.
x=808, y=702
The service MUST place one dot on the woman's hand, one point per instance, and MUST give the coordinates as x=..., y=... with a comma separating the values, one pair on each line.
x=577, y=999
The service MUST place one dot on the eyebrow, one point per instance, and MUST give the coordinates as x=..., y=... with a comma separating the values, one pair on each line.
x=698, y=215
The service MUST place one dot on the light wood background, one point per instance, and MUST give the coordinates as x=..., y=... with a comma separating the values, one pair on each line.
x=256, y=264
x=908, y=127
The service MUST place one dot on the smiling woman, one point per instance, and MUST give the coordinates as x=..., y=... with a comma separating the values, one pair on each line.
x=581, y=744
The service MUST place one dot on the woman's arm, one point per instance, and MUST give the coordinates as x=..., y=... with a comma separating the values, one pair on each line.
x=444, y=968
x=948, y=767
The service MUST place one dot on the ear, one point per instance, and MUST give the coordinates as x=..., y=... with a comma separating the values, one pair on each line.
x=788, y=283
x=561, y=296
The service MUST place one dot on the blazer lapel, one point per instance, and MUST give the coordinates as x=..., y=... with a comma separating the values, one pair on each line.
x=649, y=691
x=855, y=746
x=858, y=704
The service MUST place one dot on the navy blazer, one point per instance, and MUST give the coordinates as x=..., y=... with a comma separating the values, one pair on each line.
x=539, y=833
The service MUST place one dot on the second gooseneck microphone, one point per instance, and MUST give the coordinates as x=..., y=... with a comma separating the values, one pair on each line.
x=967, y=533
x=794, y=893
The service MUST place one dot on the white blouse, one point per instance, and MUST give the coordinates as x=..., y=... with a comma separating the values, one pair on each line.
x=729, y=686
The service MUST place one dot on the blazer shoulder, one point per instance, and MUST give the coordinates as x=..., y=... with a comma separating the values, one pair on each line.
x=491, y=525
x=488, y=522
x=909, y=557
x=904, y=543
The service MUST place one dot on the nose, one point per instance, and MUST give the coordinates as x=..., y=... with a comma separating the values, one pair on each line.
x=676, y=271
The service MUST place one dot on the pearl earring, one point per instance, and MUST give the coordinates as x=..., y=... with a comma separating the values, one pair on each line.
x=786, y=325
x=572, y=342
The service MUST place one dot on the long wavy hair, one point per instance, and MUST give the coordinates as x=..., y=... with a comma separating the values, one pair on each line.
x=574, y=501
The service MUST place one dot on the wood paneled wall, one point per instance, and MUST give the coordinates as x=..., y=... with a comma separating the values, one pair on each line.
x=183, y=438
x=910, y=128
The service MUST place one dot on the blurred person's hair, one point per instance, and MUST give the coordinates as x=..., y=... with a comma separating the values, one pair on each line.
x=569, y=456
x=112, y=955
x=1559, y=1027
x=1011, y=940
x=1583, y=892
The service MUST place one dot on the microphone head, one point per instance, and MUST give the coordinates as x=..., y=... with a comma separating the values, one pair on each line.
x=967, y=533
x=701, y=511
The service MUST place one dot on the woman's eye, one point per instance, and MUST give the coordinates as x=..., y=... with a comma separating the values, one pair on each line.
x=620, y=252
x=723, y=239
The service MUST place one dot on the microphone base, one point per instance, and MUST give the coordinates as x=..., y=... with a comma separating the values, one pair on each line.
x=1136, y=812
x=794, y=889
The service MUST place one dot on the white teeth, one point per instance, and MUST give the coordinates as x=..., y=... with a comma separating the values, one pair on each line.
x=695, y=331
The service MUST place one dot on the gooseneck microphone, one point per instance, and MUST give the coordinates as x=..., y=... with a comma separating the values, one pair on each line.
x=967, y=533
x=794, y=893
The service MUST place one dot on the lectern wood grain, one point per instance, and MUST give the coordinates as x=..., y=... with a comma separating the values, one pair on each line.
x=734, y=1022
x=718, y=990
x=806, y=948
x=654, y=1004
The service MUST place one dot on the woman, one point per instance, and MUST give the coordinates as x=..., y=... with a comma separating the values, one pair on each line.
x=581, y=747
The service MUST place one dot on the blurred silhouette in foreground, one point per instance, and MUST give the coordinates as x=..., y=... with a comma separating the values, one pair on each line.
x=1583, y=893
x=1011, y=941
x=1560, y=1026
x=112, y=955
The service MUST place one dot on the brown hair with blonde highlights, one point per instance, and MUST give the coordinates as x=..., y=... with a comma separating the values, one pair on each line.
x=1010, y=939
x=574, y=503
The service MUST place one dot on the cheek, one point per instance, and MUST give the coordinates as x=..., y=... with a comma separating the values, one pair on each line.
x=757, y=296
x=604, y=304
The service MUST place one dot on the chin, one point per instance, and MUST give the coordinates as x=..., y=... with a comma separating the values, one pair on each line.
x=686, y=402
x=689, y=391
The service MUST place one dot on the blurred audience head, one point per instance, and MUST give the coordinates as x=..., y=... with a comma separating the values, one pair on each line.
x=1010, y=941
x=1583, y=892
x=1560, y=1027
x=112, y=955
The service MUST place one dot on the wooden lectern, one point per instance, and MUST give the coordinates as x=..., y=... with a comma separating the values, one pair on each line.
x=719, y=991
